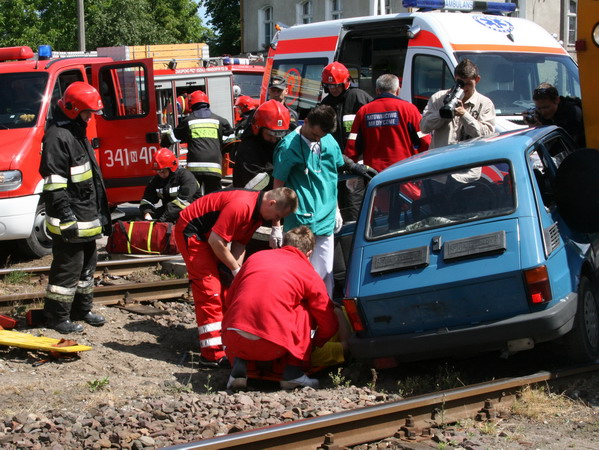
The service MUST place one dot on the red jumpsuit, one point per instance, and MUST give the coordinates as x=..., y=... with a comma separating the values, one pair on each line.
x=278, y=296
x=385, y=131
x=232, y=214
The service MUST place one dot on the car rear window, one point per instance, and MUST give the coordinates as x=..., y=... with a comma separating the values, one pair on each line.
x=441, y=199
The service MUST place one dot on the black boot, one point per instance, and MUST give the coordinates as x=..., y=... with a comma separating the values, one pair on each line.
x=96, y=320
x=67, y=327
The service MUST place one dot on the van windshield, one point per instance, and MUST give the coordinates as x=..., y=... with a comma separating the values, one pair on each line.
x=509, y=78
x=442, y=199
x=21, y=97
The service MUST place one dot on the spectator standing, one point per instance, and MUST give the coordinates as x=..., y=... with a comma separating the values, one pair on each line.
x=175, y=188
x=254, y=157
x=554, y=109
x=204, y=133
x=266, y=324
x=277, y=90
x=211, y=235
x=76, y=210
x=346, y=101
x=474, y=116
x=386, y=130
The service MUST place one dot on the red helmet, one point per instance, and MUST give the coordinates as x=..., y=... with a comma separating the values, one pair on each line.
x=198, y=97
x=272, y=115
x=336, y=73
x=78, y=97
x=165, y=159
x=245, y=103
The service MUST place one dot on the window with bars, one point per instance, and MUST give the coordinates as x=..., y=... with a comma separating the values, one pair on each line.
x=336, y=9
x=305, y=9
x=266, y=26
x=571, y=23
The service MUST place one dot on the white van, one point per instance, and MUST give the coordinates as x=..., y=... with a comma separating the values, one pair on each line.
x=422, y=48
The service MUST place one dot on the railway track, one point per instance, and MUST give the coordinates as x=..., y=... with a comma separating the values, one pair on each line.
x=410, y=420
x=123, y=293
x=118, y=267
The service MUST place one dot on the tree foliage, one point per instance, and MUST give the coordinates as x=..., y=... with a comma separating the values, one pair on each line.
x=107, y=22
x=225, y=18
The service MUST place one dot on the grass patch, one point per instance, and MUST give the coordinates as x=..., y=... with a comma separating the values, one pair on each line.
x=17, y=277
x=98, y=385
x=539, y=403
x=445, y=377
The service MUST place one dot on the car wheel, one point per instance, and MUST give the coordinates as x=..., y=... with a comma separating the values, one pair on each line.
x=39, y=243
x=582, y=343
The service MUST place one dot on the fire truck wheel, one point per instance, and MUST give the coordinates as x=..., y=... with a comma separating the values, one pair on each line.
x=582, y=342
x=39, y=243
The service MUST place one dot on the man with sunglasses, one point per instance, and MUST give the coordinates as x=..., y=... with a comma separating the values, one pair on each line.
x=554, y=109
x=346, y=101
x=254, y=156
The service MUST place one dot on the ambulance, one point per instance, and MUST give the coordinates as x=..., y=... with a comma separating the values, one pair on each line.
x=124, y=137
x=587, y=53
x=422, y=48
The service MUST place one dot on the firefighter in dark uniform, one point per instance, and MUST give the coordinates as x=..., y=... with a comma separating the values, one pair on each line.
x=346, y=101
x=76, y=210
x=204, y=132
x=277, y=90
x=174, y=187
x=253, y=164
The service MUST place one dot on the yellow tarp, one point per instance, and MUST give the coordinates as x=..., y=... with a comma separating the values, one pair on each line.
x=24, y=340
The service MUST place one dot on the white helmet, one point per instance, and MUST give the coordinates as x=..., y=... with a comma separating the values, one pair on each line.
x=236, y=90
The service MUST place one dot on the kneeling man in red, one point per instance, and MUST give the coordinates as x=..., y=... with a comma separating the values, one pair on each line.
x=273, y=305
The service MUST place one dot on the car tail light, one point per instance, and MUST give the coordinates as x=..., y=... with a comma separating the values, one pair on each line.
x=537, y=283
x=351, y=309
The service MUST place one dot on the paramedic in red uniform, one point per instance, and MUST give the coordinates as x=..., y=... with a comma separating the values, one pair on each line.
x=203, y=234
x=77, y=211
x=266, y=324
x=346, y=101
x=174, y=187
x=204, y=133
x=385, y=130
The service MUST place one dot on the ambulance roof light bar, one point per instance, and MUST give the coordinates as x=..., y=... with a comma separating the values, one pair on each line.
x=461, y=5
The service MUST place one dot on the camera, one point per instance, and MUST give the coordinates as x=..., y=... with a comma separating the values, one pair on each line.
x=530, y=115
x=451, y=100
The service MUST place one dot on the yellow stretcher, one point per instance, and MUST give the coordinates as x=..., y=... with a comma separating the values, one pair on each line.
x=24, y=340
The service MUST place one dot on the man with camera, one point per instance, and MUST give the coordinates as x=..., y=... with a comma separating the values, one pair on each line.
x=459, y=113
x=554, y=109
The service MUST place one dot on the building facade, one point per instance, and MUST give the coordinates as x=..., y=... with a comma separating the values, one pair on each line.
x=259, y=17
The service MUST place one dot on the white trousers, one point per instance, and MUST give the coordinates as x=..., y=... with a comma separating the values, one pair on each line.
x=322, y=260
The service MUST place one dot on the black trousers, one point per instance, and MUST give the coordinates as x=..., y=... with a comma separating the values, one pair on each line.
x=208, y=183
x=70, y=291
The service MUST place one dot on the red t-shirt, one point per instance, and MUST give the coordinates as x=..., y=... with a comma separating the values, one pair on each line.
x=278, y=296
x=385, y=131
x=233, y=214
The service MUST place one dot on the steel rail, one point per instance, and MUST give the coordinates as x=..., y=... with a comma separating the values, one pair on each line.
x=114, y=267
x=409, y=419
x=126, y=293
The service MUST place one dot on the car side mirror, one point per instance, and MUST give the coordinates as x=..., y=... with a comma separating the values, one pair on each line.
x=577, y=190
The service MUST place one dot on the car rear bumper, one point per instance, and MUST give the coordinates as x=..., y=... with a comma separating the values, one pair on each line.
x=540, y=326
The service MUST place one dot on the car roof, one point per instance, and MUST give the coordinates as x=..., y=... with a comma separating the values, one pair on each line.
x=509, y=145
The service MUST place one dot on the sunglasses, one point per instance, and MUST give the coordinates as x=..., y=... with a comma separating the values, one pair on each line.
x=329, y=86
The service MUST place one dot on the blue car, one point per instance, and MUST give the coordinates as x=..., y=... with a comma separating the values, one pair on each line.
x=481, y=246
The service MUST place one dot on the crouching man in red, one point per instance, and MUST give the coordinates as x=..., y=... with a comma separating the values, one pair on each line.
x=203, y=234
x=273, y=304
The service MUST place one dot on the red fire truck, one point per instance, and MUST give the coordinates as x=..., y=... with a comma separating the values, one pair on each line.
x=124, y=138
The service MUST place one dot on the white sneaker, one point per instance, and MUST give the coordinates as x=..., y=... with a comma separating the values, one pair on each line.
x=236, y=384
x=302, y=381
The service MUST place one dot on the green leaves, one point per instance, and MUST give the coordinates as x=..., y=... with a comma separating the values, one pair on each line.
x=225, y=18
x=108, y=23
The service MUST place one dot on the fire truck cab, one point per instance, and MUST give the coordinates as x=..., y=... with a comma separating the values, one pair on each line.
x=423, y=48
x=124, y=137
